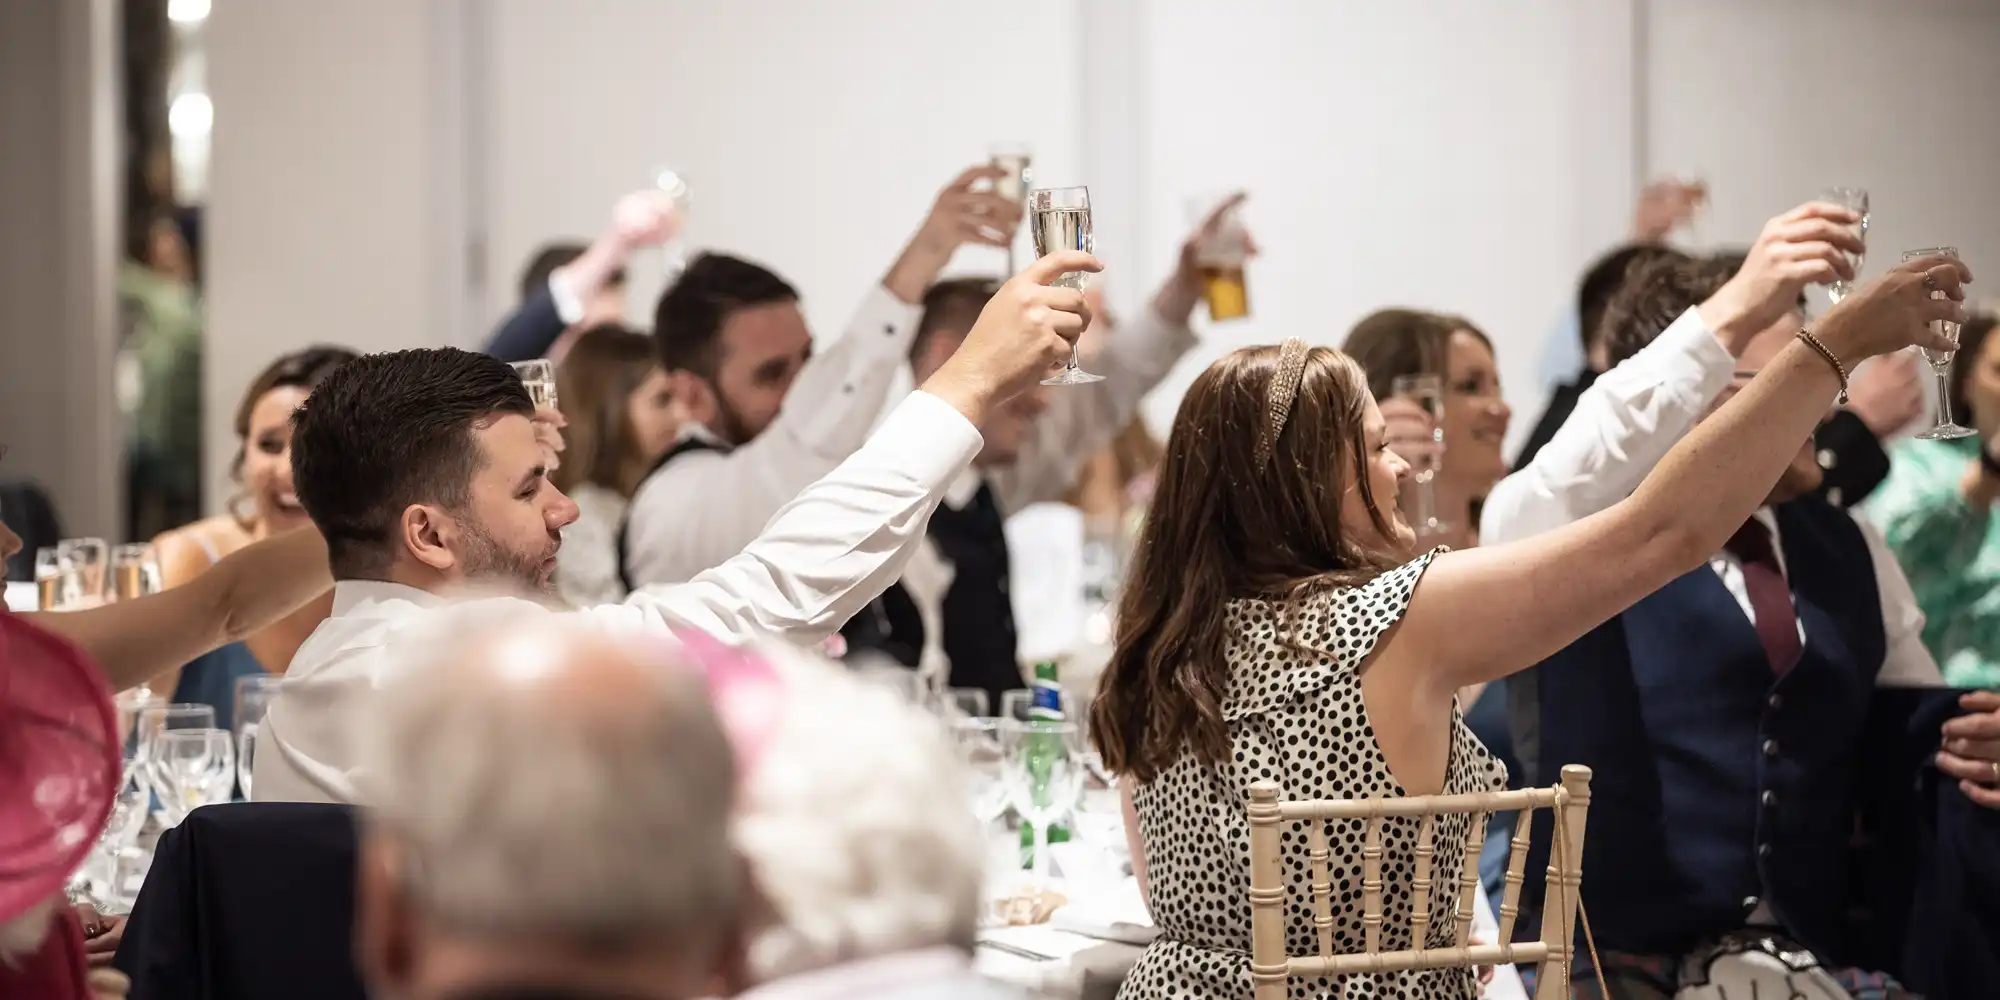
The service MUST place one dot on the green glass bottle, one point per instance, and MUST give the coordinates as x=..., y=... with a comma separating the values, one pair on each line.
x=1047, y=704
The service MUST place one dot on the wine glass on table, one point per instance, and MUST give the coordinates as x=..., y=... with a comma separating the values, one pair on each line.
x=193, y=768
x=1943, y=427
x=88, y=561
x=1427, y=391
x=135, y=572
x=1044, y=778
x=1856, y=199
x=1060, y=220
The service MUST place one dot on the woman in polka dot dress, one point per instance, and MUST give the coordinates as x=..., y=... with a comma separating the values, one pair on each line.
x=1279, y=623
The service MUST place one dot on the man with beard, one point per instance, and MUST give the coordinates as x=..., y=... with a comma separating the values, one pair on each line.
x=424, y=471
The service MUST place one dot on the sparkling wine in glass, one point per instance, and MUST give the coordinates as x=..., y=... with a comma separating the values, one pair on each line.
x=50, y=578
x=539, y=376
x=1427, y=391
x=1856, y=199
x=675, y=185
x=1060, y=220
x=1943, y=427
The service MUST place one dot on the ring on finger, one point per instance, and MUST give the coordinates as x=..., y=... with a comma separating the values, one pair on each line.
x=1995, y=765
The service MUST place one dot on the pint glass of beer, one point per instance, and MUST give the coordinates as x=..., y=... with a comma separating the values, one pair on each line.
x=1221, y=253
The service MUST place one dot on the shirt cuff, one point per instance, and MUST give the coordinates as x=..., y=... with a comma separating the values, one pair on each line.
x=928, y=439
x=884, y=316
x=569, y=305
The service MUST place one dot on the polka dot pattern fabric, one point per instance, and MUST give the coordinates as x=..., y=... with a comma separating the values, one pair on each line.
x=1295, y=716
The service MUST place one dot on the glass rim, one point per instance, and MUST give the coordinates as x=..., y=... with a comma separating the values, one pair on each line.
x=178, y=706
x=1931, y=252
x=1417, y=378
x=1015, y=147
x=1077, y=196
x=205, y=732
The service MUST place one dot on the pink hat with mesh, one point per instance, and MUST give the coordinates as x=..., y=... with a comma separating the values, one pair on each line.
x=60, y=762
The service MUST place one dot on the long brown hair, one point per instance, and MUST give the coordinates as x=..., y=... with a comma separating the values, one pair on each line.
x=595, y=383
x=1391, y=343
x=1223, y=526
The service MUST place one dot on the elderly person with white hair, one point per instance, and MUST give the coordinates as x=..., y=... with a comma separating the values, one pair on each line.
x=862, y=851
x=548, y=807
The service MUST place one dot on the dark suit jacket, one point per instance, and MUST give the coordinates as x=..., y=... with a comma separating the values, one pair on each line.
x=248, y=901
x=529, y=331
x=1926, y=864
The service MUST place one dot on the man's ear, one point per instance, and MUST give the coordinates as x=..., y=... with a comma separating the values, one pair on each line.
x=691, y=391
x=429, y=534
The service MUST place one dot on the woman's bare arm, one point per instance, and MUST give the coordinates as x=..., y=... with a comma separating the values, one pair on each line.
x=1485, y=613
x=132, y=641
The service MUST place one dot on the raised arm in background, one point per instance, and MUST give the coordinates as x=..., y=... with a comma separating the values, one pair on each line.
x=1488, y=612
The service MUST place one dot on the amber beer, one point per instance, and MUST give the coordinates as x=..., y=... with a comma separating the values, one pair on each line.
x=129, y=579
x=48, y=592
x=1227, y=293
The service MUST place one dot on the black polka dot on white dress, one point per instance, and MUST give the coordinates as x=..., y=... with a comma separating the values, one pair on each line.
x=1295, y=716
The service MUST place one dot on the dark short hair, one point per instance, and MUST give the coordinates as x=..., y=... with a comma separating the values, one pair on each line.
x=304, y=369
x=535, y=276
x=952, y=305
x=1605, y=277
x=1655, y=295
x=385, y=431
x=687, y=324
x=1971, y=340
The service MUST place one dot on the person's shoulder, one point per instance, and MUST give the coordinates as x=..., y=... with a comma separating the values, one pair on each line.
x=188, y=550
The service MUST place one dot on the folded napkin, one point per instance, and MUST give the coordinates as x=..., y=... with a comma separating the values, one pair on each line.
x=1113, y=913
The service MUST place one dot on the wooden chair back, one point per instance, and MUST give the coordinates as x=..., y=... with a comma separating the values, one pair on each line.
x=1271, y=968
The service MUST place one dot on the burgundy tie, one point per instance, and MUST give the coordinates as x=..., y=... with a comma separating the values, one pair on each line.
x=1770, y=597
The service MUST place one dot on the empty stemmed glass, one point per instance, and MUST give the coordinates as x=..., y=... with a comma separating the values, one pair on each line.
x=1943, y=427
x=88, y=562
x=246, y=757
x=1060, y=220
x=953, y=704
x=1044, y=778
x=1856, y=199
x=978, y=741
x=192, y=768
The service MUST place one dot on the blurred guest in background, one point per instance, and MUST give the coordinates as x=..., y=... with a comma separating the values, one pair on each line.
x=426, y=473
x=1600, y=282
x=735, y=343
x=1392, y=343
x=161, y=358
x=951, y=616
x=864, y=860
x=1937, y=510
x=548, y=818
x=622, y=417
x=570, y=287
x=265, y=505
x=1116, y=483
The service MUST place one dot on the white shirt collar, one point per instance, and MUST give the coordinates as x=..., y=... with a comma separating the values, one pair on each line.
x=1769, y=519
x=354, y=597
x=867, y=977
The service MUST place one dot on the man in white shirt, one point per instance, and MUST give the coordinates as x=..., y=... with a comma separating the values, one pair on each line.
x=1723, y=713
x=767, y=415
x=951, y=615
x=425, y=473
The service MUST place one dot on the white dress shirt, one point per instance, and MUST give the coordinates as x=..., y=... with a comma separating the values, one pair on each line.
x=1623, y=425
x=700, y=508
x=821, y=559
x=587, y=563
x=1080, y=421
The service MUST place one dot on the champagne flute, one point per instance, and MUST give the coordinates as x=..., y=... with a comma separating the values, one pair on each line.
x=1017, y=160
x=675, y=185
x=1044, y=778
x=1426, y=391
x=1060, y=218
x=1943, y=427
x=1856, y=199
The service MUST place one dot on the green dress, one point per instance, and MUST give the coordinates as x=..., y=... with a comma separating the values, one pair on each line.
x=1950, y=553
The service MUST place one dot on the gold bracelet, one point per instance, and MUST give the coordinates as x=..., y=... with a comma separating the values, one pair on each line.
x=1838, y=368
